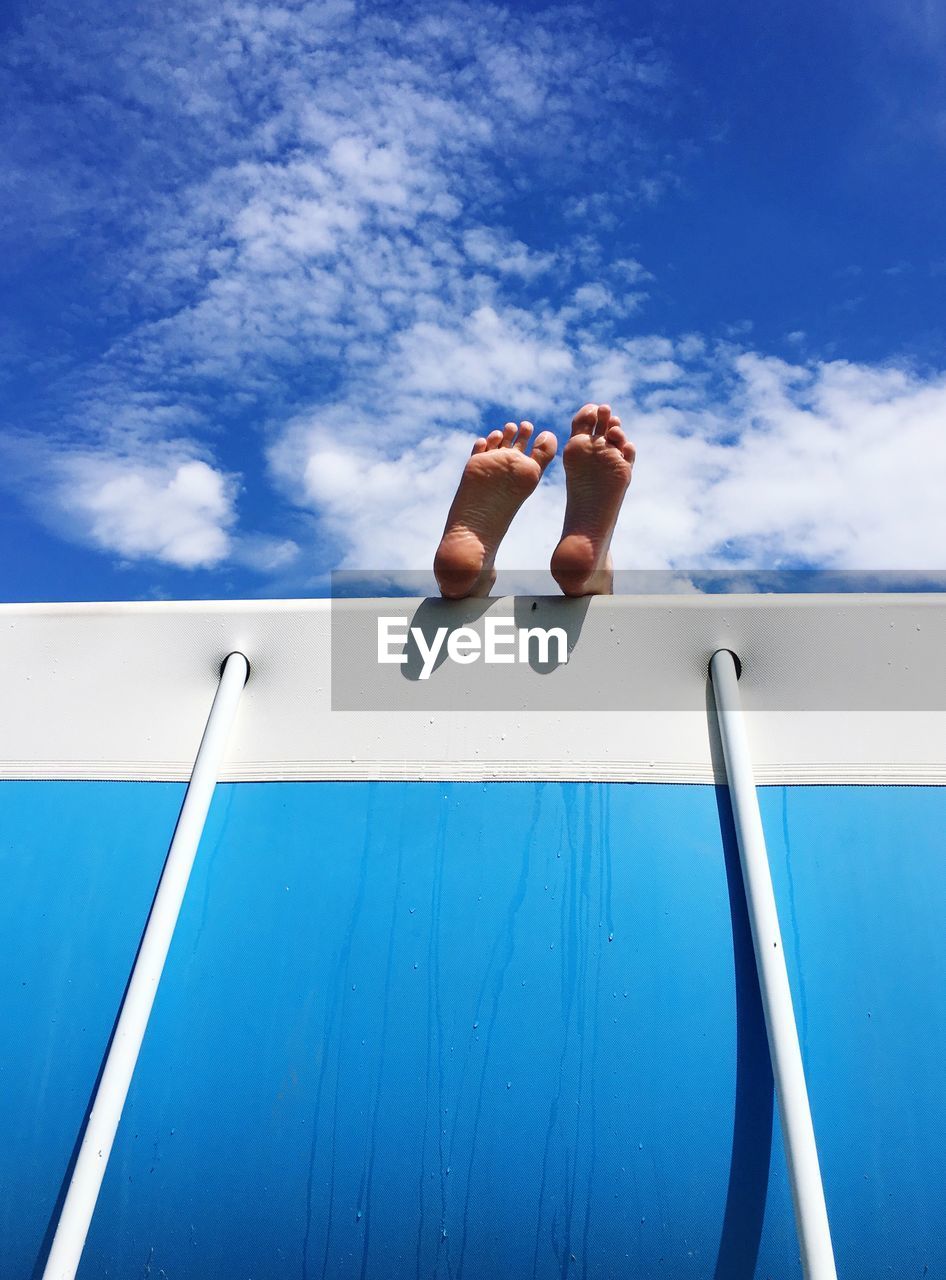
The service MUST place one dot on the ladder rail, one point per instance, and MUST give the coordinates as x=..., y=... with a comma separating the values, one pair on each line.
x=811, y=1214
x=82, y=1195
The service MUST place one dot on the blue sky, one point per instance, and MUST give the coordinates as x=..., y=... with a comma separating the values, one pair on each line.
x=268, y=269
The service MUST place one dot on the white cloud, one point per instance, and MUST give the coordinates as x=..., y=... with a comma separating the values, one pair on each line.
x=511, y=356
x=178, y=512
x=490, y=249
x=382, y=511
x=743, y=460
x=633, y=271
x=263, y=553
x=832, y=464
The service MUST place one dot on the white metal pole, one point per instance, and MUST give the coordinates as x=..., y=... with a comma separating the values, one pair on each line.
x=811, y=1214
x=81, y=1197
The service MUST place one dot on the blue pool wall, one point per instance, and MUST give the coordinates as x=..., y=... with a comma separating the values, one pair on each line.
x=471, y=1030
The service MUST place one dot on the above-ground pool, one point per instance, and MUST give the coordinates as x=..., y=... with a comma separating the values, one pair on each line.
x=462, y=1026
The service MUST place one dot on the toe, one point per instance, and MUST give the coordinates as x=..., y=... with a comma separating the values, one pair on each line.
x=544, y=449
x=522, y=439
x=509, y=434
x=614, y=435
x=602, y=419
x=479, y=445
x=584, y=420
x=494, y=439
x=629, y=452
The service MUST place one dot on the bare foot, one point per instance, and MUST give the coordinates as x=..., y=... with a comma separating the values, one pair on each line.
x=496, y=481
x=598, y=461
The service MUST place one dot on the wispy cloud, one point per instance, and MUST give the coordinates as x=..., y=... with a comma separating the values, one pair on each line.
x=310, y=194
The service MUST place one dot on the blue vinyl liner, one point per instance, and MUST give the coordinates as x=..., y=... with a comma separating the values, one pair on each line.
x=474, y=1030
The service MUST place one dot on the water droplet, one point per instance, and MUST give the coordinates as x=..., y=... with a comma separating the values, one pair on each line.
x=610, y=937
x=358, y=1216
x=412, y=910
x=475, y=1025
x=508, y=1084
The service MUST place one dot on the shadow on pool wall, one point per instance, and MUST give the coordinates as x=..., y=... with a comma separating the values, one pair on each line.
x=528, y=611
x=755, y=1089
x=754, y=1107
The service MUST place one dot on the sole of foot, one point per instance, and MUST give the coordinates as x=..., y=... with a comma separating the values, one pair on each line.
x=598, y=462
x=496, y=481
